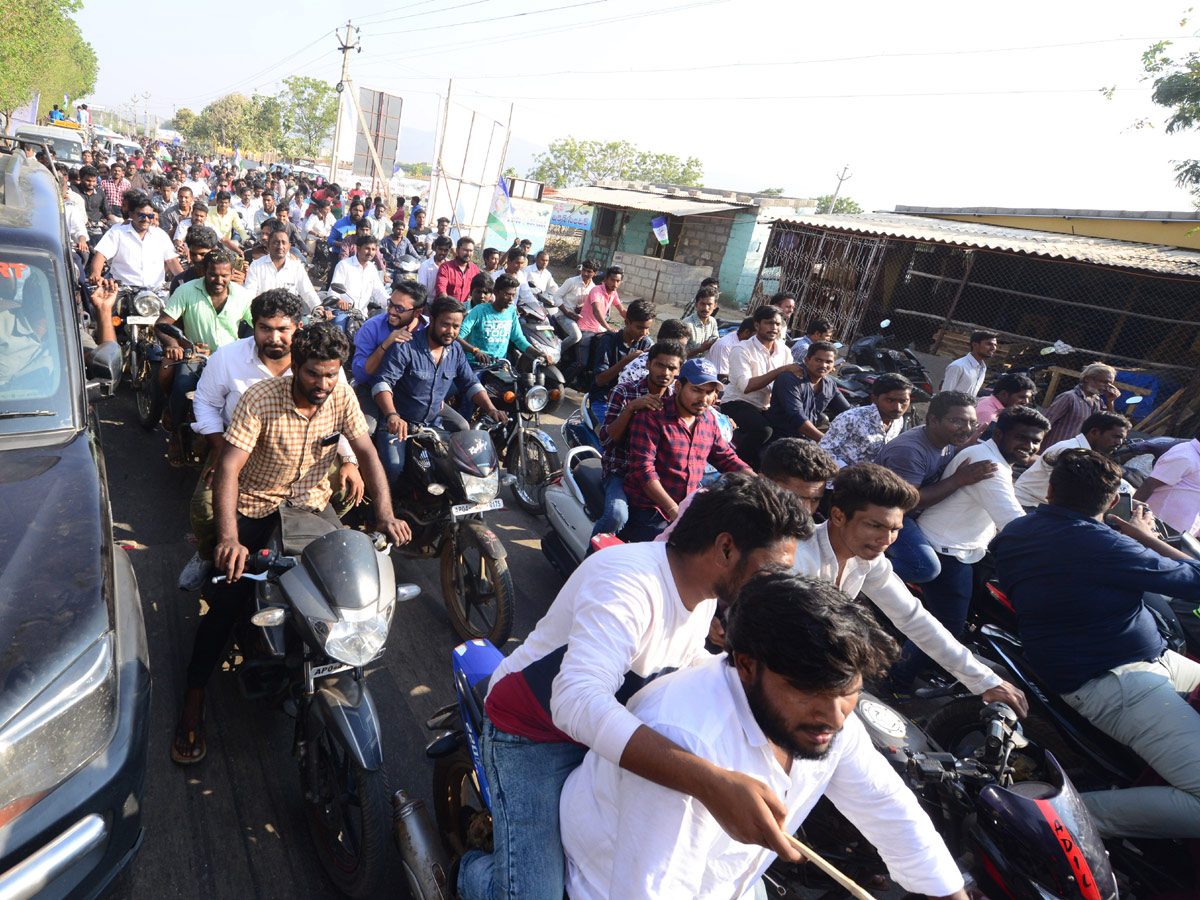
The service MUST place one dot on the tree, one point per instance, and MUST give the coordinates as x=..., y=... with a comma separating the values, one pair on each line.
x=570, y=162
x=42, y=49
x=772, y=192
x=417, y=169
x=843, y=205
x=310, y=108
x=185, y=123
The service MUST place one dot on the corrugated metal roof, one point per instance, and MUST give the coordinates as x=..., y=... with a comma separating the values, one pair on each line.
x=1150, y=215
x=660, y=203
x=1101, y=251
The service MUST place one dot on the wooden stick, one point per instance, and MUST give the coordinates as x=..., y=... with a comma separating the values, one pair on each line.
x=829, y=869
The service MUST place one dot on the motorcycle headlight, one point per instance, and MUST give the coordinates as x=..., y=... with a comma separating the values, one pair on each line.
x=536, y=399
x=359, y=634
x=147, y=304
x=62, y=729
x=482, y=490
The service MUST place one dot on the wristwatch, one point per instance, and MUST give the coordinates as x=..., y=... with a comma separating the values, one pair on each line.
x=349, y=460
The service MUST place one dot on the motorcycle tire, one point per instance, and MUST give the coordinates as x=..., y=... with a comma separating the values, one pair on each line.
x=149, y=396
x=351, y=824
x=456, y=801
x=532, y=470
x=485, y=609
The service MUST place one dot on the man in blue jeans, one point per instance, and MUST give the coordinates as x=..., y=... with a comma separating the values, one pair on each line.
x=920, y=456
x=625, y=401
x=628, y=614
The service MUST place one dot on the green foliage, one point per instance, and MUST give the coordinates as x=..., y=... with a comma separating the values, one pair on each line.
x=295, y=122
x=511, y=172
x=417, y=169
x=42, y=49
x=570, y=162
x=772, y=192
x=309, y=111
x=843, y=205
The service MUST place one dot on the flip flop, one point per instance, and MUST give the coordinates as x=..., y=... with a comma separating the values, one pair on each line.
x=190, y=740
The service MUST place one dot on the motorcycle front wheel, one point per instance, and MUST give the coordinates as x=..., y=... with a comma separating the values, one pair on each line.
x=149, y=396
x=477, y=590
x=350, y=822
x=461, y=815
x=531, y=465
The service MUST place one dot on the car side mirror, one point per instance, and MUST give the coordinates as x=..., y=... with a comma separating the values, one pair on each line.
x=104, y=371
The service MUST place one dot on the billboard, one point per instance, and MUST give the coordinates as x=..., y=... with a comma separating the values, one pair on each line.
x=569, y=214
x=514, y=219
x=382, y=114
x=467, y=163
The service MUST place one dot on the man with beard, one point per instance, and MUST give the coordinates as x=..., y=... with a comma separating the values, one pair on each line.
x=858, y=434
x=628, y=614
x=778, y=707
x=275, y=454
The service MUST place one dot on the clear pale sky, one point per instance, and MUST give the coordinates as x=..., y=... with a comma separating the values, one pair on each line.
x=935, y=103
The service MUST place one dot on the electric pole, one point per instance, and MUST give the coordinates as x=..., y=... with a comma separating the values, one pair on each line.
x=133, y=105
x=146, y=97
x=345, y=46
x=842, y=177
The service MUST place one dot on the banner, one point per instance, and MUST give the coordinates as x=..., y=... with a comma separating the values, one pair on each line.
x=382, y=114
x=660, y=229
x=513, y=220
x=25, y=115
x=572, y=215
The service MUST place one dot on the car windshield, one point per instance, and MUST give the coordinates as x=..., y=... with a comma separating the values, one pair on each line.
x=65, y=149
x=34, y=392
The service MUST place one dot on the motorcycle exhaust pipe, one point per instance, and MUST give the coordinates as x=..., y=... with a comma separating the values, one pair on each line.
x=426, y=865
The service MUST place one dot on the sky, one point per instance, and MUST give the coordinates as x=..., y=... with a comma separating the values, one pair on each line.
x=928, y=104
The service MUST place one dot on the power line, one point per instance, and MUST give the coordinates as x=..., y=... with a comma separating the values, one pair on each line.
x=532, y=12
x=256, y=75
x=432, y=12
x=899, y=95
x=365, y=19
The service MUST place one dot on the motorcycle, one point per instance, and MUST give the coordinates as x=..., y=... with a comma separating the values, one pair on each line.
x=405, y=268
x=323, y=607
x=574, y=503
x=869, y=358
x=193, y=447
x=355, y=317
x=138, y=309
x=544, y=336
x=449, y=482
x=530, y=455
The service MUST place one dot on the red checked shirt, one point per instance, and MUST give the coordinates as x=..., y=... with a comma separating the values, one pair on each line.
x=454, y=281
x=114, y=190
x=616, y=453
x=662, y=449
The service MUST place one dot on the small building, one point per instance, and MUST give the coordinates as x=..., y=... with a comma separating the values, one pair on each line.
x=708, y=232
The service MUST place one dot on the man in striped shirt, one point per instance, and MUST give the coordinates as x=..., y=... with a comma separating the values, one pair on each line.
x=1094, y=393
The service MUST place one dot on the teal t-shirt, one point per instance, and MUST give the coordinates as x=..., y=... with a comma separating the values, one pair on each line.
x=491, y=331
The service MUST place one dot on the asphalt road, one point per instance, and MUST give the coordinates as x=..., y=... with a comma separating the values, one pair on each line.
x=232, y=827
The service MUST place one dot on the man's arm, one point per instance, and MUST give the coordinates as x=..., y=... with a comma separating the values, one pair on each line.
x=643, y=456
x=1146, y=488
x=787, y=393
x=955, y=378
x=999, y=500
x=372, y=471
x=229, y=554
x=968, y=473
x=441, y=282
x=723, y=457
x=609, y=374
x=600, y=314
x=761, y=381
x=616, y=421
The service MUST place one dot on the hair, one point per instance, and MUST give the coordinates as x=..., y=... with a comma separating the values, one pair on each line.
x=820, y=346
x=796, y=458
x=614, y=270
x=807, y=631
x=1013, y=383
x=277, y=302
x=200, y=206
x=944, y=401
x=767, y=311
x=323, y=341
x=1013, y=416
x=639, y=311
x=463, y=241
x=445, y=304
x=218, y=257
x=707, y=293
x=357, y=201
x=818, y=326
x=363, y=240
x=89, y=171
x=223, y=195
x=503, y=282
x=590, y=263
x=442, y=243
x=1104, y=421
x=273, y=226
x=866, y=484
x=888, y=382
x=201, y=237
x=755, y=512
x=978, y=337
x=513, y=254
x=1097, y=368
x=710, y=281
x=489, y=252
x=414, y=290
x=747, y=324
x=780, y=296
x=666, y=347
x=1084, y=481
x=674, y=330
x=442, y=219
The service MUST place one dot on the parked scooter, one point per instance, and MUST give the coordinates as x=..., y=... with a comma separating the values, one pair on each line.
x=450, y=481
x=574, y=504
x=323, y=609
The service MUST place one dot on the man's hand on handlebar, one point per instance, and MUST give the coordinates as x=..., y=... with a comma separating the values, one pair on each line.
x=1009, y=694
x=229, y=556
x=481, y=355
x=397, y=426
x=397, y=531
x=498, y=414
x=343, y=304
x=173, y=354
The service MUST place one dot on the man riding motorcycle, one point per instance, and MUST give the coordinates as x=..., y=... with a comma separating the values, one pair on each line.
x=280, y=269
x=138, y=253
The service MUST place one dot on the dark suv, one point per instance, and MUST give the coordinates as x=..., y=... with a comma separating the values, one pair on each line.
x=74, y=666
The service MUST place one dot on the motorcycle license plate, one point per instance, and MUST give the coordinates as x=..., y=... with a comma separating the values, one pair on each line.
x=328, y=669
x=544, y=327
x=469, y=509
x=141, y=320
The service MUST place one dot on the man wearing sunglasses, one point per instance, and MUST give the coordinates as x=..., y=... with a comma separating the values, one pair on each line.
x=138, y=252
x=405, y=313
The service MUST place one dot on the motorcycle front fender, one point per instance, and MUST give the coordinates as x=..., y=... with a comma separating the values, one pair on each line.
x=489, y=544
x=538, y=435
x=344, y=707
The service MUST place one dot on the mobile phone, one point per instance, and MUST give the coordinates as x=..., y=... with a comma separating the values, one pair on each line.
x=1124, y=507
x=239, y=263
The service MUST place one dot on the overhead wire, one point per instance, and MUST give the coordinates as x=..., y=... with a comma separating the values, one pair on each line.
x=217, y=92
x=488, y=21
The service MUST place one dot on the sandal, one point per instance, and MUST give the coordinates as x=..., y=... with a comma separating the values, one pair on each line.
x=188, y=747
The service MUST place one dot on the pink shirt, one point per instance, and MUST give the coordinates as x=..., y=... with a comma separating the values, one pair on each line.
x=987, y=409
x=587, y=316
x=1177, y=502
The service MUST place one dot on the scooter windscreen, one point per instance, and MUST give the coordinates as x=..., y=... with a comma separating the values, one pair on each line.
x=1046, y=827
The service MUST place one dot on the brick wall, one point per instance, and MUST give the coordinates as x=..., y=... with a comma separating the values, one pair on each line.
x=704, y=239
x=663, y=282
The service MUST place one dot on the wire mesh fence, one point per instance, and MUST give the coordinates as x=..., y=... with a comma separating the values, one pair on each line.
x=934, y=295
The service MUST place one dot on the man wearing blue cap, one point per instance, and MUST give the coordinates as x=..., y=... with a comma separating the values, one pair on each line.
x=669, y=447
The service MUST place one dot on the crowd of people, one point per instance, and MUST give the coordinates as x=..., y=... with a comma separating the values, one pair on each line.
x=761, y=589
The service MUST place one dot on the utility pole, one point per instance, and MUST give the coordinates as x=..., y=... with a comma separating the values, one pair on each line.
x=345, y=46
x=133, y=105
x=842, y=177
x=146, y=97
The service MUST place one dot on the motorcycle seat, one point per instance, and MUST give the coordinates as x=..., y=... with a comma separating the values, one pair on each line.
x=590, y=478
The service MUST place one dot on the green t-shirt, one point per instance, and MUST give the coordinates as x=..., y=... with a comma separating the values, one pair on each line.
x=192, y=309
x=491, y=331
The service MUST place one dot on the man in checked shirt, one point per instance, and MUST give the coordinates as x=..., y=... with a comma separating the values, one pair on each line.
x=668, y=449
x=278, y=448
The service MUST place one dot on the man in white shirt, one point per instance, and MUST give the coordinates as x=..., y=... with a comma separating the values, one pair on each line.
x=718, y=353
x=627, y=615
x=279, y=269
x=139, y=253
x=968, y=373
x=427, y=273
x=1103, y=432
x=866, y=514
x=779, y=707
x=754, y=364
x=569, y=298
x=1173, y=488
x=319, y=224
x=960, y=527
x=359, y=276
x=539, y=274
x=230, y=370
